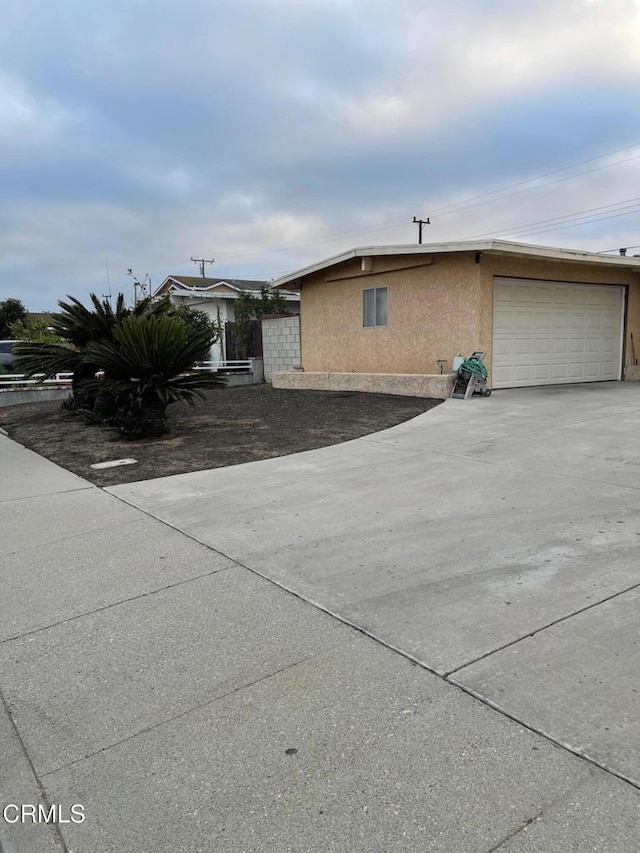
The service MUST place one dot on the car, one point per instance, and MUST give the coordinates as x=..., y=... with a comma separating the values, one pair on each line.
x=6, y=353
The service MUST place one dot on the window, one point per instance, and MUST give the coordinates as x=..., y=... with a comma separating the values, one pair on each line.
x=374, y=306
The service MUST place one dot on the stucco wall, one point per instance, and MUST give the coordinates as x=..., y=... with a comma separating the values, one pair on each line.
x=497, y=265
x=433, y=313
x=439, y=306
x=280, y=344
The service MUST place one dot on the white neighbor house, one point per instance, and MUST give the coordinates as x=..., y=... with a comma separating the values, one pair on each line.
x=216, y=297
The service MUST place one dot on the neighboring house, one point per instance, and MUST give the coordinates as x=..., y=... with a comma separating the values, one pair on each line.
x=216, y=297
x=542, y=315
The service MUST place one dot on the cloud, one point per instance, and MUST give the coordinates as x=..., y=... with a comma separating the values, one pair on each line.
x=146, y=132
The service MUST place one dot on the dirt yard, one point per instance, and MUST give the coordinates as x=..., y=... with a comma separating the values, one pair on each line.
x=233, y=425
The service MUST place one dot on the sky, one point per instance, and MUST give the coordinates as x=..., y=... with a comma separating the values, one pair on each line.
x=270, y=134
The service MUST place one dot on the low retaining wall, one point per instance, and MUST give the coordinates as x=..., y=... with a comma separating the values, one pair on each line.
x=437, y=386
x=234, y=379
x=32, y=395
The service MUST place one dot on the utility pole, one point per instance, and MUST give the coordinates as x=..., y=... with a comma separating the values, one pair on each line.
x=142, y=286
x=201, y=262
x=107, y=296
x=420, y=223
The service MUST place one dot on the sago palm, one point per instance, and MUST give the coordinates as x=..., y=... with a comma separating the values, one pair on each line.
x=78, y=326
x=147, y=367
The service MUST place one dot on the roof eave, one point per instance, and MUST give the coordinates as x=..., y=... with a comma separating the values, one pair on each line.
x=496, y=247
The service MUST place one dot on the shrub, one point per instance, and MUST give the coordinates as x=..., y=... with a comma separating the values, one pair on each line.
x=147, y=368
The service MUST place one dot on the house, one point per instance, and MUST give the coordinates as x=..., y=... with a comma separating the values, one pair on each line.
x=215, y=296
x=542, y=316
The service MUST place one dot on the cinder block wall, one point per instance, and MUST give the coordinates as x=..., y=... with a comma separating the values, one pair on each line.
x=280, y=344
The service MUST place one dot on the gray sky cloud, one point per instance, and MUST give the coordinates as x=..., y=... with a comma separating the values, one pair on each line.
x=271, y=133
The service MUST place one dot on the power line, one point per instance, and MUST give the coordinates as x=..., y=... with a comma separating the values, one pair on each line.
x=578, y=213
x=455, y=207
x=586, y=221
x=545, y=175
x=604, y=251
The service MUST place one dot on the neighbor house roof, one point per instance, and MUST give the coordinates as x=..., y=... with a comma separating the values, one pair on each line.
x=196, y=285
x=493, y=247
x=197, y=282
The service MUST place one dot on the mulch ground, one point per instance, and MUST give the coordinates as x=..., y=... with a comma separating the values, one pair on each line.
x=233, y=425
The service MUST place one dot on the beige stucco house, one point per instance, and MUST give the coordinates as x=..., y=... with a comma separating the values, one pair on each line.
x=542, y=315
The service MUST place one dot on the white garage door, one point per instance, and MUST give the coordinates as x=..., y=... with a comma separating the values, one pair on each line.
x=545, y=332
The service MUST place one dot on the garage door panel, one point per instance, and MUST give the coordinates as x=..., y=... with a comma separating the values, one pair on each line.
x=502, y=293
x=522, y=372
x=550, y=332
x=541, y=372
x=522, y=346
x=523, y=294
x=609, y=323
x=559, y=322
x=610, y=298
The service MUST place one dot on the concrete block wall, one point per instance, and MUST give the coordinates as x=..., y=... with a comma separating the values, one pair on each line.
x=280, y=344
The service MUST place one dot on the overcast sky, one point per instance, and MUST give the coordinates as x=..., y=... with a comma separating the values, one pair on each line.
x=269, y=134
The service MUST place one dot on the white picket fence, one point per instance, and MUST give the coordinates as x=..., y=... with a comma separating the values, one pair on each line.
x=17, y=381
x=226, y=366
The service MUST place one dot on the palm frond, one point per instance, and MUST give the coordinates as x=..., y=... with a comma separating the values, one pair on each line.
x=150, y=359
x=48, y=359
x=150, y=346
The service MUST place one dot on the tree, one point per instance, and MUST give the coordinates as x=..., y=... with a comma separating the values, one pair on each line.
x=198, y=321
x=34, y=331
x=11, y=311
x=77, y=326
x=248, y=307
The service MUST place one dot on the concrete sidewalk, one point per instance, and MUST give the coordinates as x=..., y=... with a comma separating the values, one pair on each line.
x=189, y=704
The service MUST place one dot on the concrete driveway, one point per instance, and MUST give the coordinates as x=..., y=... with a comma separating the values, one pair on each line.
x=496, y=542
x=155, y=669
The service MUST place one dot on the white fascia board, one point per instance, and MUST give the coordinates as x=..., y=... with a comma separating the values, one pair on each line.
x=576, y=255
x=497, y=247
x=222, y=284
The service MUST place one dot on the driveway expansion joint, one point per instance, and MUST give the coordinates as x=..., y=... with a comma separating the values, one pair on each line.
x=416, y=661
x=119, y=603
x=178, y=716
x=55, y=826
x=47, y=494
x=50, y=542
x=567, y=747
x=539, y=630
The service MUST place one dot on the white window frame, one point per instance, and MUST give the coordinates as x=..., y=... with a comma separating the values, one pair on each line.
x=375, y=324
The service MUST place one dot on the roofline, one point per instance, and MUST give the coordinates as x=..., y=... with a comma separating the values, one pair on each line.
x=497, y=247
x=188, y=293
x=178, y=288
